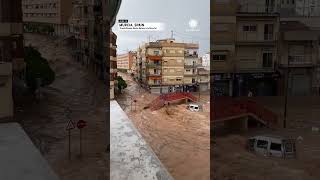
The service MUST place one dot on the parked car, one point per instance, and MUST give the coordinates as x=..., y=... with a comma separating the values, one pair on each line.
x=272, y=146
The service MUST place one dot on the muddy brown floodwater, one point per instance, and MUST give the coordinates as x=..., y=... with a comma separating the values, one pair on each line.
x=45, y=122
x=179, y=137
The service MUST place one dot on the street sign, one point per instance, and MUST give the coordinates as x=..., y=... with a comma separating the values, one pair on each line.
x=70, y=125
x=81, y=124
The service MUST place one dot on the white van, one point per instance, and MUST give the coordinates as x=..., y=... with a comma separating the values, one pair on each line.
x=194, y=107
x=272, y=146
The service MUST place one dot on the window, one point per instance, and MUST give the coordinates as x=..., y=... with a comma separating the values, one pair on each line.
x=268, y=31
x=156, y=52
x=267, y=60
x=219, y=57
x=250, y=28
x=178, y=79
x=262, y=144
x=275, y=146
x=221, y=28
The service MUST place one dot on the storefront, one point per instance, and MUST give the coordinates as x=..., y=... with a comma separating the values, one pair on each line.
x=221, y=85
x=260, y=84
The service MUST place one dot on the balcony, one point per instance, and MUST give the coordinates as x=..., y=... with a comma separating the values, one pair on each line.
x=152, y=65
x=191, y=65
x=5, y=68
x=154, y=74
x=203, y=72
x=154, y=57
x=192, y=55
x=190, y=74
x=203, y=81
x=300, y=60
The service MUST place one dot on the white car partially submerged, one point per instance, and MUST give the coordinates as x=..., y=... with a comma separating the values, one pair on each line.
x=194, y=107
x=272, y=146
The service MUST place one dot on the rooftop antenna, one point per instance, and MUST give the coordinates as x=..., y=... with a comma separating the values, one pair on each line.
x=171, y=34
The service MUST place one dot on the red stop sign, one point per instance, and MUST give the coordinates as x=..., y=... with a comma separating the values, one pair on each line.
x=81, y=124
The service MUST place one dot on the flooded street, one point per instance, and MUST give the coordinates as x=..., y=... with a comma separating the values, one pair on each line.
x=179, y=137
x=45, y=122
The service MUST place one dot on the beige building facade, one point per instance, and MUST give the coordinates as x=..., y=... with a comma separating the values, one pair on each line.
x=12, y=65
x=168, y=66
x=125, y=61
x=262, y=52
x=6, y=103
x=54, y=13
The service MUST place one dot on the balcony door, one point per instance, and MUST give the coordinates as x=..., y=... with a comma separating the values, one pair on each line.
x=267, y=60
x=268, y=31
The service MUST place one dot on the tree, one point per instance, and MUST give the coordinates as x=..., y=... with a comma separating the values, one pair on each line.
x=121, y=83
x=38, y=71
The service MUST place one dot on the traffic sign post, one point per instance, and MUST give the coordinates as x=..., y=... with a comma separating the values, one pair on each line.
x=81, y=124
x=70, y=126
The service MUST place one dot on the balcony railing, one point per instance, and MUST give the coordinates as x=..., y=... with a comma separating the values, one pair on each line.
x=300, y=60
x=191, y=55
x=203, y=72
x=191, y=65
x=268, y=37
x=153, y=65
x=154, y=74
x=190, y=74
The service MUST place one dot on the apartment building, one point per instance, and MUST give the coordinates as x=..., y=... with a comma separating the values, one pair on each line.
x=256, y=54
x=134, y=66
x=172, y=65
x=206, y=61
x=223, y=46
x=244, y=51
x=138, y=74
x=168, y=66
x=191, y=64
x=203, y=79
x=263, y=53
x=125, y=61
x=299, y=58
x=94, y=44
x=113, y=63
x=79, y=29
x=12, y=66
x=286, y=8
x=54, y=13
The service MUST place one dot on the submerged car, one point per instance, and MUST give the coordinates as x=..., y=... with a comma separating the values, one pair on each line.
x=194, y=107
x=272, y=146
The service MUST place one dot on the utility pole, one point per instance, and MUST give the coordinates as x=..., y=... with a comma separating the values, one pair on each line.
x=286, y=97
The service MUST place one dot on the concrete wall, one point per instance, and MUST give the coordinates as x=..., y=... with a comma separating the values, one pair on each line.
x=130, y=156
x=251, y=57
x=6, y=102
x=257, y=35
x=20, y=159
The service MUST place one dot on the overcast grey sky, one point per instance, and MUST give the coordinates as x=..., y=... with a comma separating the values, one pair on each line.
x=175, y=14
